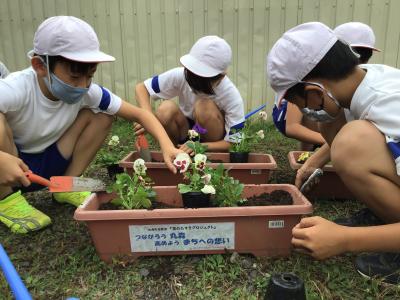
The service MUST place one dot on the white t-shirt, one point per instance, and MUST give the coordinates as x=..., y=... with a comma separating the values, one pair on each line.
x=173, y=84
x=3, y=70
x=377, y=99
x=36, y=121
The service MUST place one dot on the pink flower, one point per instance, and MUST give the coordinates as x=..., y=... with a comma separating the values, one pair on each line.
x=182, y=162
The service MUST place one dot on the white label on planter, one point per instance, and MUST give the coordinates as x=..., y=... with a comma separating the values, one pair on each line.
x=182, y=237
x=276, y=224
x=255, y=171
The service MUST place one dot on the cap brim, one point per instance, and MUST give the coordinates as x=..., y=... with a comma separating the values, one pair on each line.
x=365, y=46
x=197, y=67
x=88, y=57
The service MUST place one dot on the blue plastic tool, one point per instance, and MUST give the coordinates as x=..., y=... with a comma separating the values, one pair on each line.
x=254, y=111
x=17, y=286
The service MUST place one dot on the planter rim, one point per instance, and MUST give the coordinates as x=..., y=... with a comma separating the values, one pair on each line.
x=295, y=165
x=84, y=213
x=127, y=162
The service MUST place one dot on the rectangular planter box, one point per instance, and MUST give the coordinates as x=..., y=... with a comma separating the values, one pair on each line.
x=256, y=171
x=330, y=185
x=259, y=230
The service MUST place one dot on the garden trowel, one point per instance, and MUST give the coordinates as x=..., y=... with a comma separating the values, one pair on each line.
x=142, y=146
x=67, y=183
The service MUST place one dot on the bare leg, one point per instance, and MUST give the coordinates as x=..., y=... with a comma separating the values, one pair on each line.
x=208, y=116
x=6, y=145
x=173, y=120
x=83, y=139
x=364, y=162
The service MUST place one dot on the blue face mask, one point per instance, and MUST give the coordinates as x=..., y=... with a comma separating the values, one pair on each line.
x=320, y=115
x=63, y=91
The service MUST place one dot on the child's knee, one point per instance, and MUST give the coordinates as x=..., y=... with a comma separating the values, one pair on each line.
x=166, y=112
x=348, y=146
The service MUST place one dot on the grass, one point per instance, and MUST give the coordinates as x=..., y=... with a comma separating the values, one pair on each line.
x=61, y=262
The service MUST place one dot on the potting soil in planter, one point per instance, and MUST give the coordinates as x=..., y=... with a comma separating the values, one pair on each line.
x=266, y=199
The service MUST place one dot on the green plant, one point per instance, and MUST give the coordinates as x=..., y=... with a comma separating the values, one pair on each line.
x=112, y=153
x=244, y=139
x=194, y=142
x=229, y=192
x=195, y=173
x=133, y=192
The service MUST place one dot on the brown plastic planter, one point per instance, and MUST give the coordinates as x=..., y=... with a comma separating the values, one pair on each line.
x=259, y=230
x=330, y=185
x=256, y=171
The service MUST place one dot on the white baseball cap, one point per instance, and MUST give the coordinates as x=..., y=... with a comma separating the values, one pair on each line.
x=296, y=53
x=209, y=56
x=69, y=37
x=357, y=34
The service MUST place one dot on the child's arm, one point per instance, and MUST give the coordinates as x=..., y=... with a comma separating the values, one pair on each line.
x=143, y=101
x=153, y=126
x=143, y=97
x=294, y=128
x=324, y=239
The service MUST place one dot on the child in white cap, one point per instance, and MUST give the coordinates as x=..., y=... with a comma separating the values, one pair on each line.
x=311, y=68
x=361, y=38
x=53, y=118
x=3, y=71
x=208, y=100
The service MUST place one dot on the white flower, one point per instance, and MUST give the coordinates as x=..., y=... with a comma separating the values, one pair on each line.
x=263, y=115
x=182, y=162
x=208, y=189
x=192, y=134
x=260, y=134
x=200, y=161
x=200, y=158
x=206, y=178
x=139, y=166
x=114, y=141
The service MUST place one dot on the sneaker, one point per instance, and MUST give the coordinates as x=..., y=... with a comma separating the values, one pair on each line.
x=385, y=266
x=364, y=217
x=17, y=214
x=74, y=198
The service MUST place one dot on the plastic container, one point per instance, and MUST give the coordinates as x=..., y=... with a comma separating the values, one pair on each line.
x=330, y=185
x=286, y=286
x=256, y=171
x=259, y=230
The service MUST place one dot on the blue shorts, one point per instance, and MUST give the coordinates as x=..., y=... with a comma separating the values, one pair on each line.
x=48, y=163
x=279, y=117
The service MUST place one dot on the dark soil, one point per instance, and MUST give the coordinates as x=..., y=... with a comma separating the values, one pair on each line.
x=155, y=205
x=278, y=197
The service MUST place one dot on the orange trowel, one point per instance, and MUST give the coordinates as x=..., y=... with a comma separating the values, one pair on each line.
x=67, y=183
x=142, y=146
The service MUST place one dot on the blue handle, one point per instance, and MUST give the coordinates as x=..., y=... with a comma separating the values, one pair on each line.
x=11, y=275
x=254, y=111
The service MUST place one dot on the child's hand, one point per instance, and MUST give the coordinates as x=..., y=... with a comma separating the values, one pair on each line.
x=322, y=238
x=302, y=175
x=138, y=129
x=186, y=148
x=12, y=170
x=169, y=156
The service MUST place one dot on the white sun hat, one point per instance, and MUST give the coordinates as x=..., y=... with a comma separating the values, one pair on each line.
x=209, y=56
x=296, y=53
x=357, y=34
x=69, y=37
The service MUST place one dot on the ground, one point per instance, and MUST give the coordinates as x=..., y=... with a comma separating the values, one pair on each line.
x=60, y=261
